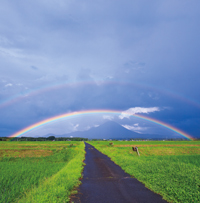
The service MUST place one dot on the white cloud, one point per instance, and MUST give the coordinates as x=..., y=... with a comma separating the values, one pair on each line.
x=9, y=85
x=135, y=110
x=135, y=127
x=75, y=127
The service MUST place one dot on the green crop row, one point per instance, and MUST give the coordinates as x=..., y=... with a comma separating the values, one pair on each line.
x=22, y=179
x=36, y=145
x=118, y=142
x=175, y=177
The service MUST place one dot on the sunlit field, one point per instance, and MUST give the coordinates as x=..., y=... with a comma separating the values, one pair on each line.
x=169, y=168
x=39, y=171
x=49, y=171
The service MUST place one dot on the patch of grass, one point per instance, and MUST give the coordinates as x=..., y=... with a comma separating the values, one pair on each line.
x=58, y=187
x=24, y=153
x=165, y=150
x=21, y=175
x=172, y=171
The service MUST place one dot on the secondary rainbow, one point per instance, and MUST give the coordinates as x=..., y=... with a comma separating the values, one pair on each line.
x=49, y=88
x=72, y=114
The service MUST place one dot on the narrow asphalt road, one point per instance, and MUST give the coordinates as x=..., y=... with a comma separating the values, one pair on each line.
x=105, y=182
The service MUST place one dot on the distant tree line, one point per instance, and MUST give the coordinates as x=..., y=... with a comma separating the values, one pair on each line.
x=50, y=138
x=53, y=138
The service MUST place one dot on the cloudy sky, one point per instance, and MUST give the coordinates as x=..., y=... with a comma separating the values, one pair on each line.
x=61, y=56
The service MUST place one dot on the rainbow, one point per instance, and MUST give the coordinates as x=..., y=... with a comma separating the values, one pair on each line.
x=73, y=114
x=48, y=88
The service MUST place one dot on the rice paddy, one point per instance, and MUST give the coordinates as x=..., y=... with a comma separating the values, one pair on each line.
x=49, y=171
x=28, y=168
x=169, y=168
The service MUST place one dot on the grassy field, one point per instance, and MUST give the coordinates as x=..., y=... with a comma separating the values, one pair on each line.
x=48, y=171
x=39, y=171
x=169, y=168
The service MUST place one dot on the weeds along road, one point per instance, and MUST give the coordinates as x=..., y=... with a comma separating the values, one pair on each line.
x=105, y=182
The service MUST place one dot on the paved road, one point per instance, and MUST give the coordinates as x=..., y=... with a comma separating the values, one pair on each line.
x=105, y=182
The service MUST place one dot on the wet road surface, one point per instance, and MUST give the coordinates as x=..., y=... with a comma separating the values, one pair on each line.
x=105, y=182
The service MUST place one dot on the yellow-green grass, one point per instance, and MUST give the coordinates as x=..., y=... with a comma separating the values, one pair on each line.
x=31, y=149
x=28, y=168
x=36, y=144
x=169, y=168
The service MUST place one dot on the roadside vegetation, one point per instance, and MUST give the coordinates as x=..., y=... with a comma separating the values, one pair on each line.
x=39, y=171
x=169, y=168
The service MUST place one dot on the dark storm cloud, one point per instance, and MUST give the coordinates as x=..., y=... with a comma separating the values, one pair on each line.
x=106, y=54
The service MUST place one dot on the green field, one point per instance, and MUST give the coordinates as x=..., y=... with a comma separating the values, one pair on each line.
x=39, y=171
x=169, y=168
x=49, y=171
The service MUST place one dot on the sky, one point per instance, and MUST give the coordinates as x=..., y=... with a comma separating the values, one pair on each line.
x=61, y=56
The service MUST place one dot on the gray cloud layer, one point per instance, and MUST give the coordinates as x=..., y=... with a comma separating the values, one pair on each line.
x=122, y=54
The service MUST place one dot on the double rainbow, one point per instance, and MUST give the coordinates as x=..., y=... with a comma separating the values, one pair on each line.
x=49, y=88
x=73, y=114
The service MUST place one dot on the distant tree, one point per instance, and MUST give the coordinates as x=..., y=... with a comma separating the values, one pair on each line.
x=51, y=138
